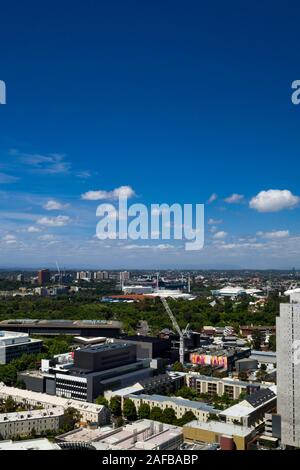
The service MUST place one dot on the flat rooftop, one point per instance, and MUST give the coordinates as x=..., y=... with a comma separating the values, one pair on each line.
x=31, y=444
x=94, y=348
x=197, y=405
x=34, y=323
x=146, y=433
x=220, y=428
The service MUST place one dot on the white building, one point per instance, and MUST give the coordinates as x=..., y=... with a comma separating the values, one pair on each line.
x=90, y=412
x=288, y=369
x=30, y=444
x=24, y=422
x=143, y=434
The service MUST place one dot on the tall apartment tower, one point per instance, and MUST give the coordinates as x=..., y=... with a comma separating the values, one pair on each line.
x=288, y=370
x=43, y=276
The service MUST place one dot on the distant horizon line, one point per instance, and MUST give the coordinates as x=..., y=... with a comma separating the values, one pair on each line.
x=87, y=268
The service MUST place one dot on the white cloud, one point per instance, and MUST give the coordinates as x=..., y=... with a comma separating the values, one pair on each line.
x=161, y=246
x=274, y=234
x=214, y=221
x=58, y=221
x=10, y=239
x=33, y=229
x=220, y=235
x=233, y=246
x=84, y=174
x=274, y=200
x=212, y=198
x=53, y=205
x=122, y=192
x=53, y=163
x=46, y=237
x=234, y=198
x=6, y=179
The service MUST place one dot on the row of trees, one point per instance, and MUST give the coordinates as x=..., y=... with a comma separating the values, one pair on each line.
x=131, y=413
x=86, y=305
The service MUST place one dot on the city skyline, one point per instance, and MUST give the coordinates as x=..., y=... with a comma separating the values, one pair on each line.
x=187, y=106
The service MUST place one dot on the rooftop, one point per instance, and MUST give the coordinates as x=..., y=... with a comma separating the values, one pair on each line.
x=32, y=414
x=31, y=444
x=49, y=399
x=63, y=323
x=197, y=405
x=142, y=434
x=220, y=428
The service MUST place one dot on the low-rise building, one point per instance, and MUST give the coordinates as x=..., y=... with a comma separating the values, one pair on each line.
x=227, y=435
x=90, y=412
x=143, y=434
x=202, y=411
x=24, y=422
x=251, y=411
x=215, y=386
x=30, y=444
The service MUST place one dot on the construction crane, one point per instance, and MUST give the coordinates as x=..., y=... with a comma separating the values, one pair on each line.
x=177, y=328
x=59, y=273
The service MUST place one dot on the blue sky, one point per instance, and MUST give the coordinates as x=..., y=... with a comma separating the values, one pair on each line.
x=177, y=100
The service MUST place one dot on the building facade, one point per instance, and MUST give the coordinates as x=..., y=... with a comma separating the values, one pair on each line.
x=24, y=422
x=288, y=372
x=13, y=345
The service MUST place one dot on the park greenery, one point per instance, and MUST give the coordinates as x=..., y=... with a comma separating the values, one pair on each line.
x=87, y=305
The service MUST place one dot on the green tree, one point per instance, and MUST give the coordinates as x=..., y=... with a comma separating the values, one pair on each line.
x=168, y=416
x=156, y=414
x=186, y=418
x=9, y=405
x=272, y=343
x=129, y=410
x=177, y=367
x=243, y=376
x=186, y=392
x=71, y=418
x=144, y=411
x=115, y=406
x=101, y=401
x=257, y=340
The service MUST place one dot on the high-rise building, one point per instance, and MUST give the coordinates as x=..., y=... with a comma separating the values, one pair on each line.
x=43, y=276
x=288, y=370
x=124, y=276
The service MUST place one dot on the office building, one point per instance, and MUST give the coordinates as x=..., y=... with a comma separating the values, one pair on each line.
x=288, y=371
x=13, y=345
x=95, y=369
x=43, y=276
x=148, y=347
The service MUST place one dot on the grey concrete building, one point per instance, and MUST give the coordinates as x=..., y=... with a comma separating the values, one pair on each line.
x=288, y=371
